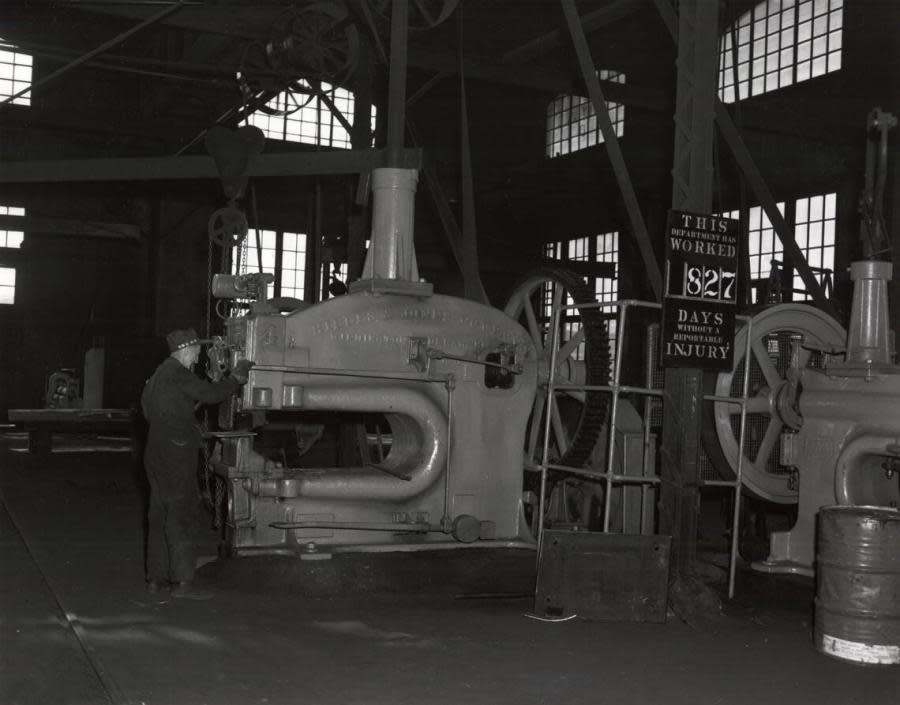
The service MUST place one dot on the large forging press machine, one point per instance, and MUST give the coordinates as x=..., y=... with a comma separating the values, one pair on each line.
x=845, y=442
x=449, y=381
x=823, y=403
x=441, y=393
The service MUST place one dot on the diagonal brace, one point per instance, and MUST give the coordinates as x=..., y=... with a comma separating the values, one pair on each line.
x=613, y=149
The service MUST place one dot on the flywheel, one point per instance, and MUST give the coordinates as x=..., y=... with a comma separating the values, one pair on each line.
x=582, y=357
x=784, y=340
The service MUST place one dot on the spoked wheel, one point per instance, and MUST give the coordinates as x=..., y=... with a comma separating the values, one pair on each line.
x=318, y=41
x=785, y=339
x=227, y=227
x=582, y=357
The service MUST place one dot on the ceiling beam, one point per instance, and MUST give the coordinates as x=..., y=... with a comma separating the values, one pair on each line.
x=589, y=22
x=198, y=167
x=37, y=225
x=541, y=78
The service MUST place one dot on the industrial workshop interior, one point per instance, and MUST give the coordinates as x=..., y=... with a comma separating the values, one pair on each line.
x=523, y=351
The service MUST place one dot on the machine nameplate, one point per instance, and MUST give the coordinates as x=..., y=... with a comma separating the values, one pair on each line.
x=338, y=326
x=381, y=340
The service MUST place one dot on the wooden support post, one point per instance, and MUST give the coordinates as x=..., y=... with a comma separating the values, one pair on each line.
x=472, y=286
x=691, y=191
x=755, y=180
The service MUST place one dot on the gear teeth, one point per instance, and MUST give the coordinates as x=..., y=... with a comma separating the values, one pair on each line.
x=595, y=413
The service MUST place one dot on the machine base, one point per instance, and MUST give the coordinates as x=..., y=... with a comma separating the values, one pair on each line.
x=782, y=568
x=303, y=551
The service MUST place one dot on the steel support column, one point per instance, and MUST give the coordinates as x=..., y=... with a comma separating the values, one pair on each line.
x=472, y=286
x=396, y=119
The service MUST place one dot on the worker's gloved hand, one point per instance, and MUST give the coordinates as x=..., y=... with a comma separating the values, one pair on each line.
x=241, y=371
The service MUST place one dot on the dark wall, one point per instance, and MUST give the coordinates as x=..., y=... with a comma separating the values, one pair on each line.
x=71, y=294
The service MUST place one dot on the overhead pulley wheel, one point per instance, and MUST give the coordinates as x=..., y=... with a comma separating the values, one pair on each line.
x=785, y=340
x=318, y=41
x=227, y=227
x=582, y=357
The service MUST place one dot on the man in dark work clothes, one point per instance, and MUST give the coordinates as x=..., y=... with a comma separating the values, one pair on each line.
x=170, y=458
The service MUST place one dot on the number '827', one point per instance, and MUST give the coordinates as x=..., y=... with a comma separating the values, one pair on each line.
x=708, y=282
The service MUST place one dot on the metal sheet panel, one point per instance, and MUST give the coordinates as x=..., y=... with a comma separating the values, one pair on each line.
x=615, y=577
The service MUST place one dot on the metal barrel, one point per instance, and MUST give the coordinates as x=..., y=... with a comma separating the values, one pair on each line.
x=858, y=584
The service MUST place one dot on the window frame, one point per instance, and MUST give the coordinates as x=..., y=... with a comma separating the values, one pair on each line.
x=786, y=278
x=586, y=249
x=779, y=43
x=294, y=126
x=561, y=120
x=20, y=63
x=10, y=255
x=241, y=264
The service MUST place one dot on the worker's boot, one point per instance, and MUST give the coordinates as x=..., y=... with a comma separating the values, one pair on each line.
x=188, y=591
x=157, y=591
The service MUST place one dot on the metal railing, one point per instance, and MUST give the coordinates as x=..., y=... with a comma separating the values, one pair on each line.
x=647, y=478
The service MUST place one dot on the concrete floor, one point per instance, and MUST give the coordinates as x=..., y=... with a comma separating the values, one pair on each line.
x=77, y=627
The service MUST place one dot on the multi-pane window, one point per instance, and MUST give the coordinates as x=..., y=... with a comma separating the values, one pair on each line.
x=293, y=265
x=813, y=219
x=15, y=74
x=309, y=118
x=607, y=288
x=601, y=248
x=281, y=253
x=576, y=250
x=778, y=43
x=763, y=245
x=11, y=238
x=572, y=122
x=7, y=285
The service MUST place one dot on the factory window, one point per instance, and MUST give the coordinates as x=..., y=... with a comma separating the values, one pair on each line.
x=282, y=253
x=778, y=43
x=7, y=285
x=763, y=245
x=607, y=288
x=11, y=238
x=320, y=119
x=813, y=219
x=601, y=248
x=15, y=74
x=334, y=279
x=572, y=122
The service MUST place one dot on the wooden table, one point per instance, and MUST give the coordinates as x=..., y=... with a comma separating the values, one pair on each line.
x=41, y=423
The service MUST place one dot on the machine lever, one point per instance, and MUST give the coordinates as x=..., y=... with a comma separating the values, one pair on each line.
x=434, y=354
x=416, y=528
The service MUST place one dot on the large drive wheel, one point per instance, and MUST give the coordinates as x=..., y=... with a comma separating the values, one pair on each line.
x=577, y=417
x=785, y=339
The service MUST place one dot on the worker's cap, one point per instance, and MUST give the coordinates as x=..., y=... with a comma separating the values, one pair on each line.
x=179, y=339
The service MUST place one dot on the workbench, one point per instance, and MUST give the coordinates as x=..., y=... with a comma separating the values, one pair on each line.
x=41, y=424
